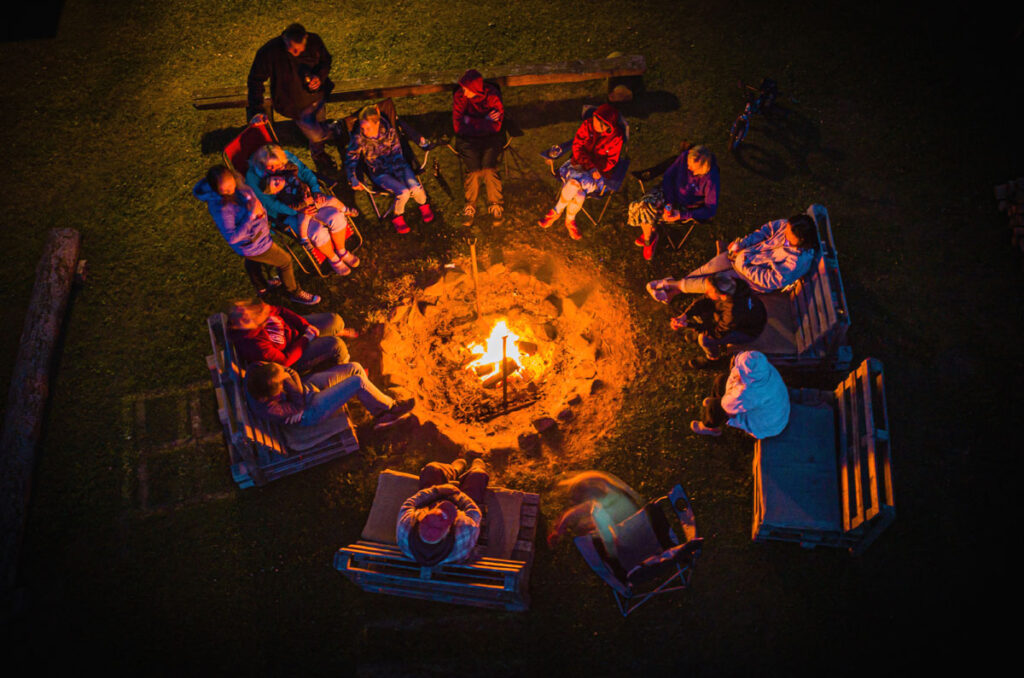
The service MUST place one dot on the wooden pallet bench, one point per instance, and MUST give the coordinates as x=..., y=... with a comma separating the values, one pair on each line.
x=412, y=84
x=809, y=320
x=497, y=579
x=827, y=478
x=261, y=451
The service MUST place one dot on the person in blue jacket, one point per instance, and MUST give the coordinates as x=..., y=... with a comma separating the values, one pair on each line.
x=242, y=220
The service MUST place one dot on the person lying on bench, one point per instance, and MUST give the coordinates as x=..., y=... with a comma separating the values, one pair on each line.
x=769, y=259
x=291, y=192
x=751, y=397
x=376, y=143
x=728, y=314
x=441, y=522
x=242, y=220
x=261, y=332
x=278, y=393
x=596, y=151
x=689, y=190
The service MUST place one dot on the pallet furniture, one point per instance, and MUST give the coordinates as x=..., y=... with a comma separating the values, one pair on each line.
x=827, y=478
x=808, y=321
x=411, y=84
x=497, y=580
x=651, y=558
x=261, y=451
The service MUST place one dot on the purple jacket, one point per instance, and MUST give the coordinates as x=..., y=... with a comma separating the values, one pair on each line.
x=696, y=197
x=244, y=224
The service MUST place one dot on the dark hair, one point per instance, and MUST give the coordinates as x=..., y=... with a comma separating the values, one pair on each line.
x=215, y=174
x=805, y=230
x=257, y=379
x=724, y=283
x=295, y=33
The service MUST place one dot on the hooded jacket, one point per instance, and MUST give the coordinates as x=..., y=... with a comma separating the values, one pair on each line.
x=767, y=261
x=469, y=116
x=244, y=225
x=756, y=398
x=592, y=150
x=276, y=207
x=278, y=339
x=382, y=153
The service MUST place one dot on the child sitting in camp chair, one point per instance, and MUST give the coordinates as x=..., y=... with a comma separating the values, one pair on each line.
x=291, y=192
x=375, y=142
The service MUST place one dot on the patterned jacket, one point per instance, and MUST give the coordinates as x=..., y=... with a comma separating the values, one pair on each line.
x=466, y=527
x=382, y=154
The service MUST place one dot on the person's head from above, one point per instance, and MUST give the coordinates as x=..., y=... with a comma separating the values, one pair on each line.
x=604, y=119
x=272, y=184
x=435, y=523
x=801, y=232
x=719, y=286
x=269, y=158
x=369, y=121
x=295, y=39
x=222, y=180
x=247, y=314
x=699, y=160
x=265, y=380
x=472, y=83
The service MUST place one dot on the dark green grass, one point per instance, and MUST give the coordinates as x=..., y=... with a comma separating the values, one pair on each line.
x=898, y=125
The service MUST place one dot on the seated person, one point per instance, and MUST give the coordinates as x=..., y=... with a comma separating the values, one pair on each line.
x=769, y=259
x=689, y=190
x=278, y=394
x=751, y=397
x=598, y=502
x=290, y=191
x=477, y=116
x=242, y=220
x=376, y=143
x=728, y=314
x=261, y=332
x=441, y=522
x=596, y=151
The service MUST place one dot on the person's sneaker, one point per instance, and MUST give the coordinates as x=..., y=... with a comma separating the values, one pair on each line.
x=702, y=363
x=350, y=258
x=548, y=219
x=399, y=410
x=640, y=242
x=699, y=428
x=304, y=297
x=649, y=247
x=707, y=401
x=426, y=213
x=468, y=214
x=497, y=214
x=340, y=267
x=574, y=231
x=400, y=226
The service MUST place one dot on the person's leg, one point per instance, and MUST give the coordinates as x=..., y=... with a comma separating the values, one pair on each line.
x=474, y=481
x=693, y=283
x=338, y=385
x=571, y=194
x=439, y=473
x=492, y=184
x=491, y=174
x=327, y=324
x=322, y=351
x=312, y=124
x=282, y=261
x=254, y=270
x=712, y=414
x=469, y=150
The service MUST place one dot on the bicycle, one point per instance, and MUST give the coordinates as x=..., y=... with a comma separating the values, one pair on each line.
x=765, y=99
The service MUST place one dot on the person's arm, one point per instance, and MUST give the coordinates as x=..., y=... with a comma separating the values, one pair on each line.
x=459, y=122
x=306, y=175
x=275, y=208
x=353, y=153
x=710, y=205
x=764, y=233
x=581, y=155
x=609, y=156
x=259, y=72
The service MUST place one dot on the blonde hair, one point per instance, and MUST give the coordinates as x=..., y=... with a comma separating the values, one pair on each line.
x=701, y=156
x=237, y=308
x=264, y=153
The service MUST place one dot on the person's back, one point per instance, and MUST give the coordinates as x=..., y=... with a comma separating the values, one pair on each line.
x=756, y=398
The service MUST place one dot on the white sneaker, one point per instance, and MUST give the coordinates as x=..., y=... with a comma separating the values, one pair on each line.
x=340, y=267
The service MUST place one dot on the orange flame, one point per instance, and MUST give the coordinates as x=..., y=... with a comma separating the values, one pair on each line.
x=490, y=351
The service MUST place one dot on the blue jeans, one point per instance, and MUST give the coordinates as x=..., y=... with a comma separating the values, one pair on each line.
x=337, y=386
x=311, y=122
x=327, y=348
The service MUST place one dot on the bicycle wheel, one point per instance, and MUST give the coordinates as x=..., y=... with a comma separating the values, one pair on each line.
x=739, y=130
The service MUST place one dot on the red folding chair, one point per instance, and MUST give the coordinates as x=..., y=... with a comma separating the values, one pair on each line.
x=236, y=155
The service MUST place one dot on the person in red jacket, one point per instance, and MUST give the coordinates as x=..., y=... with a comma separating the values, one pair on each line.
x=596, y=150
x=261, y=332
x=477, y=116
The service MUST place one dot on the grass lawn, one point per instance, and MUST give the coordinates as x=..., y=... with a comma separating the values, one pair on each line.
x=142, y=557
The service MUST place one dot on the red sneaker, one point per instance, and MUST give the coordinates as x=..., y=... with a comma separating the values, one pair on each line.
x=649, y=247
x=640, y=242
x=574, y=232
x=427, y=213
x=400, y=225
x=548, y=219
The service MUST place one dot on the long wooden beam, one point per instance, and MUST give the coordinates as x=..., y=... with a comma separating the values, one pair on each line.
x=412, y=84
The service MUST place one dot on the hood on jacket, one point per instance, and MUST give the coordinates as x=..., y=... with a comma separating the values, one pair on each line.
x=203, y=191
x=752, y=366
x=473, y=81
x=608, y=114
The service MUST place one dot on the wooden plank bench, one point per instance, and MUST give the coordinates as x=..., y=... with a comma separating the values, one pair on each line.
x=827, y=479
x=411, y=84
x=258, y=449
x=497, y=579
x=809, y=320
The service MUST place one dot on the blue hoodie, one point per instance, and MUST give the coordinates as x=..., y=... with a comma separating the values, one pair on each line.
x=244, y=225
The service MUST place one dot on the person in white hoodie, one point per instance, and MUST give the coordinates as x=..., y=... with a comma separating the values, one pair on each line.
x=752, y=398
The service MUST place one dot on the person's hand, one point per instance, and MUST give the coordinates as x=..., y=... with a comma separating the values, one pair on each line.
x=309, y=209
x=554, y=538
x=319, y=199
x=466, y=119
x=348, y=333
x=358, y=187
x=678, y=323
x=314, y=83
x=258, y=119
x=311, y=332
x=734, y=246
x=670, y=214
x=293, y=419
x=423, y=142
x=494, y=116
x=350, y=211
x=596, y=175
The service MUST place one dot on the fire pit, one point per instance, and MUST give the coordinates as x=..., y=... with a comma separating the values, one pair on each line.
x=561, y=332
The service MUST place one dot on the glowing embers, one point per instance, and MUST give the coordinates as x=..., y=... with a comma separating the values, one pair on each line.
x=501, y=344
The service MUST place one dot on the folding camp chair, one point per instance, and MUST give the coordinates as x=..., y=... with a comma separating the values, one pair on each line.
x=613, y=183
x=674, y=227
x=651, y=557
x=405, y=133
x=236, y=155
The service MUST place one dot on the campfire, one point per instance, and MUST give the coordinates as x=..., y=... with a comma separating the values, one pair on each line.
x=503, y=346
